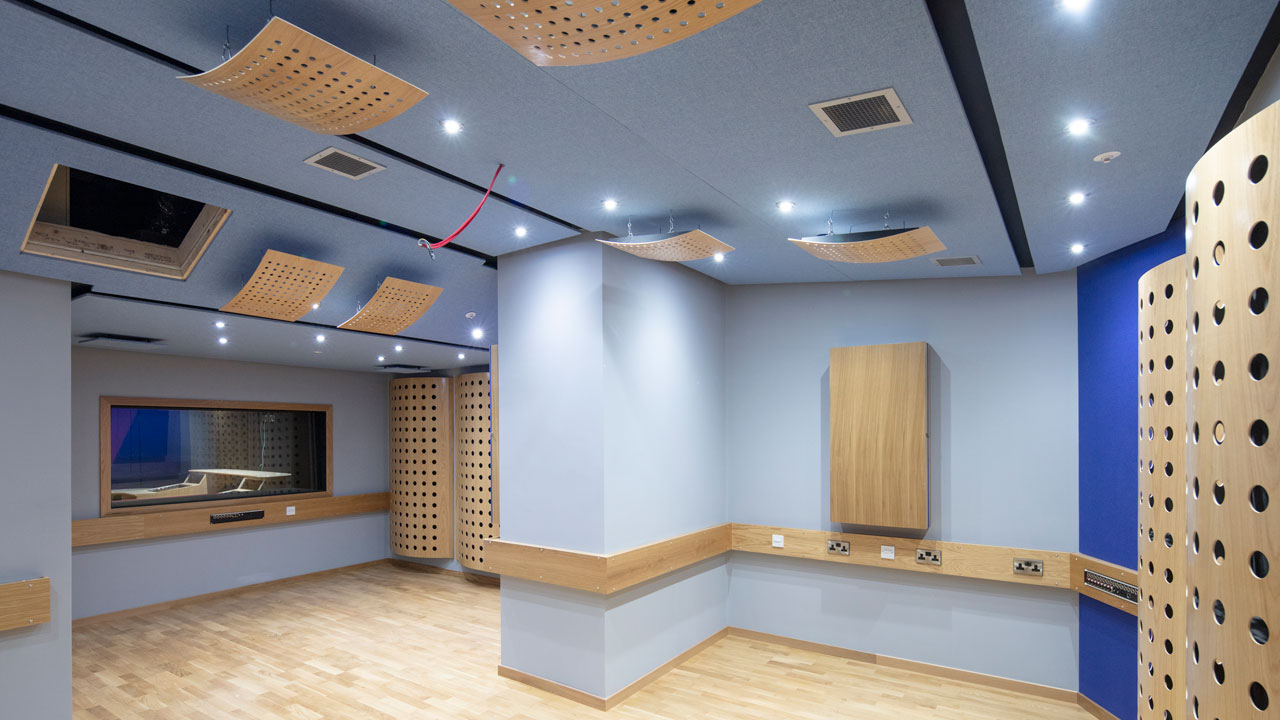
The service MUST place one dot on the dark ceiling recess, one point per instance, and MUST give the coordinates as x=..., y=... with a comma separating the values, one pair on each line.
x=960, y=48
x=115, y=207
x=1262, y=54
x=126, y=43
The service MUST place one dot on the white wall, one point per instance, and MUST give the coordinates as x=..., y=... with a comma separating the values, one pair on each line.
x=1003, y=463
x=35, y=527
x=126, y=575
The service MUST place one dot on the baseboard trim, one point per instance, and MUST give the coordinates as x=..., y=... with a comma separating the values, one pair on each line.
x=942, y=671
x=992, y=681
x=217, y=594
x=1087, y=704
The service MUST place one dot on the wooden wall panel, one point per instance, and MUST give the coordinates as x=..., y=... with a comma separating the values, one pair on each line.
x=473, y=468
x=1162, y=489
x=1233, y=399
x=421, y=468
x=24, y=603
x=879, y=435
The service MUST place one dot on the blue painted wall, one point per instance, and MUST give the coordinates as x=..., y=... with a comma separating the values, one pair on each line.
x=1106, y=313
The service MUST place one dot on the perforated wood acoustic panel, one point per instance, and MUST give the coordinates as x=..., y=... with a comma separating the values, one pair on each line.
x=397, y=305
x=284, y=287
x=900, y=246
x=1162, y=490
x=1233, y=672
x=556, y=32
x=693, y=245
x=474, y=463
x=288, y=72
x=421, y=464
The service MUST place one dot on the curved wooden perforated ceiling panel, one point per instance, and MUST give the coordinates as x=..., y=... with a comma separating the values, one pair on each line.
x=693, y=245
x=397, y=305
x=284, y=287
x=555, y=32
x=1233, y=400
x=288, y=72
x=900, y=246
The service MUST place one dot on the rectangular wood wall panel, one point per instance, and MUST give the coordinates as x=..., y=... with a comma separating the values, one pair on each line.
x=421, y=468
x=24, y=603
x=879, y=435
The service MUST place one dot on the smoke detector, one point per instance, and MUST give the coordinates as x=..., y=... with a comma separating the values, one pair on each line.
x=344, y=163
x=862, y=113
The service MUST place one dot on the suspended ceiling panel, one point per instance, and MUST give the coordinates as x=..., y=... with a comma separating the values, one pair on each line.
x=397, y=305
x=287, y=72
x=912, y=243
x=192, y=333
x=684, y=247
x=284, y=287
x=1154, y=83
x=556, y=33
x=257, y=224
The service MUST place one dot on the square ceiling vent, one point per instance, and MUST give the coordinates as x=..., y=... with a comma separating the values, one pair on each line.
x=344, y=163
x=956, y=261
x=862, y=113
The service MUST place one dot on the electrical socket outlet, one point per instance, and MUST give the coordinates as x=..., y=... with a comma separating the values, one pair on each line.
x=837, y=547
x=290, y=510
x=1028, y=566
x=932, y=557
x=777, y=541
x=886, y=552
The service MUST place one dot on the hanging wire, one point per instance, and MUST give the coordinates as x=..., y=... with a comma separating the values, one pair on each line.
x=271, y=10
x=432, y=247
x=629, y=235
x=831, y=223
x=671, y=223
x=226, y=46
x=886, y=221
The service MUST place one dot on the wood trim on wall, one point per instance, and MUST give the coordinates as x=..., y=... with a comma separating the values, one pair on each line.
x=1080, y=563
x=24, y=603
x=121, y=528
x=1087, y=704
x=104, y=451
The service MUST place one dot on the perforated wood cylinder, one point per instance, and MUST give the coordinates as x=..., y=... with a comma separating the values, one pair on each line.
x=474, y=463
x=1162, y=489
x=421, y=465
x=1233, y=667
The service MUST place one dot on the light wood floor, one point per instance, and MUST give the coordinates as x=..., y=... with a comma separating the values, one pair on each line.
x=382, y=642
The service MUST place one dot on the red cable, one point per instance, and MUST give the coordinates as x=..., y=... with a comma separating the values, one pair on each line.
x=422, y=242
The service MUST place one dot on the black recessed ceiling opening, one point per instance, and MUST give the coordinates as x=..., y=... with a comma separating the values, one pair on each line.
x=122, y=209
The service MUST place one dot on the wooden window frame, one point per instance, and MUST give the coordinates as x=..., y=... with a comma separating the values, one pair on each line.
x=106, y=402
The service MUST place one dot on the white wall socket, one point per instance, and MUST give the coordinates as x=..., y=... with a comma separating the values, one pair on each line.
x=290, y=510
x=886, y=552
x=777, y=541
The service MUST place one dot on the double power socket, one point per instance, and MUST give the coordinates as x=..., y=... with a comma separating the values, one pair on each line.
x=923, y=555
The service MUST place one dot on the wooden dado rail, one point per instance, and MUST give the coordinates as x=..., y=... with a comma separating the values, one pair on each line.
x=121, y=528
x=617, y=571
x=24, y=603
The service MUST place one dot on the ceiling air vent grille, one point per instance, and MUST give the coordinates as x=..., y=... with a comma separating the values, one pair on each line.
x=344, y=163
x=957, y=261
x=862, y=113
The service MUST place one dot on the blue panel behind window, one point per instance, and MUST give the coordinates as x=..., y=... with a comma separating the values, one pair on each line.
x=1107, y=316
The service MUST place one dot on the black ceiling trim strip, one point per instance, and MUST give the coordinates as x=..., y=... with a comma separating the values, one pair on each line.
x=322, y=326
x=107, y=35
x=960, y=48
x=1249, y=79
x=78, y=133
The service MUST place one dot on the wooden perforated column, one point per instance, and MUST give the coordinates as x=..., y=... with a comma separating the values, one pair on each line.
x=473, y=475
x=1233, y=669
x=421, y=464
x=1162, y=486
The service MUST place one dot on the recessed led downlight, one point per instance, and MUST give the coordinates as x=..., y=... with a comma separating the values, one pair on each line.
x=462, y=356
x=477, y=333
x=1079, y=126
x=222, y=341
x=1077, y=248
x=315, y=306
x=320, y=338
x=399, y=348
x=219, y=324
x=610, y=204
x=786, y=206
x=1074, y=6
x=1075, y=198
x=521, y=231
x=382, y=358
x=451, y=126
x=718, y=257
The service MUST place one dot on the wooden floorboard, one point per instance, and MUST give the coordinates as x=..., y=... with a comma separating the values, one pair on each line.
x=392, y=644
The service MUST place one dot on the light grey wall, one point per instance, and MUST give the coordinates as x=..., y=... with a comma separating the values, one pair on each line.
x=1267, y=91
x=127, y=575
x=554, y=633
x=35, y=525
x=1003, y=462
x=663, y=401
x=1001, y=629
